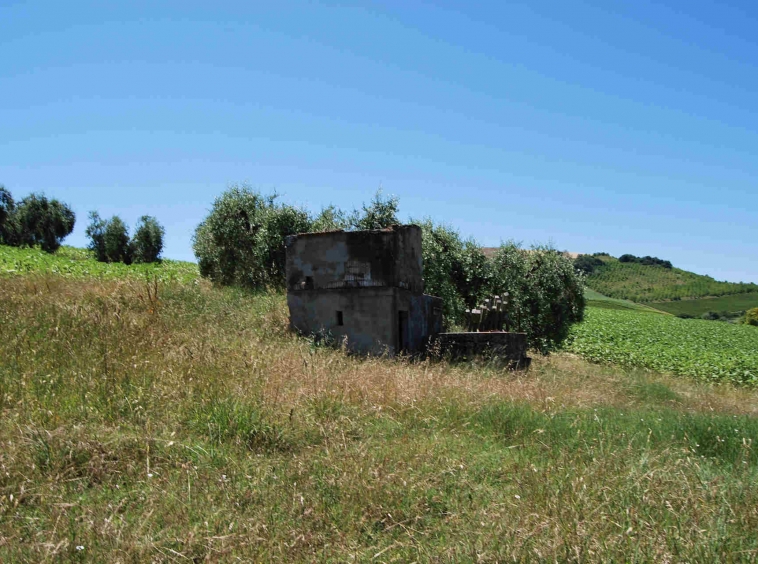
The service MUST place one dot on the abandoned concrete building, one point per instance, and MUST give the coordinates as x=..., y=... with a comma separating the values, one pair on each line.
x=362, y=287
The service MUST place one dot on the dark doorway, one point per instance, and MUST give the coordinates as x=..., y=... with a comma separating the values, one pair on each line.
x=402, y=331
x=340, y=320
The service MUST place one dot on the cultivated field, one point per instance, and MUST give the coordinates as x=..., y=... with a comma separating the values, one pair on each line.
x=707, y=350
x=192, y=425
x=696, y=308
x=642, y=283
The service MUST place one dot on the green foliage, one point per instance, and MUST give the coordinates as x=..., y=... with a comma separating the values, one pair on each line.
x=147, y=243
x=70, y=262
x=8, y=221
x=116, y=241
x=331, y=218
x=545, y=293
x=641, y=283
x=695, y=308
x=96, y=234
x=587, y=264
x=455, y=270
x=647, y=261
x=692, y=347
x=37, y=221
x=241, y=242
x=380, y=213
x=751, y=317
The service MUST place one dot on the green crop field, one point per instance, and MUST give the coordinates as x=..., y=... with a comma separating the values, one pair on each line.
x=641, y=283
x=191, y=425
x=703, y=349
x=78, y=263
x=695, y=308
x=596, y=299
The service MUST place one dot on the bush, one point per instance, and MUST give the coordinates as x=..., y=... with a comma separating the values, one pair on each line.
x=241, y=242
x=116, y=241
x=455, y=270
x=147, y=243
x=587, y=264
x=751, y=317
x=545, y=293
x=380, y=213
x=36, y=221
x=96, y=234
x=8, y=222
x=109, y=240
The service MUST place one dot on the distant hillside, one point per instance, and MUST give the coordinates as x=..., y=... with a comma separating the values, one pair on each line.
x=651, y=283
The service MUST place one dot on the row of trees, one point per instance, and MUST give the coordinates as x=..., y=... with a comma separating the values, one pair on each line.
x=34, y=221
x=110, y=241
x=241, y=242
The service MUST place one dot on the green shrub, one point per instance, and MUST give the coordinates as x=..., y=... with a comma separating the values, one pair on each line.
x=8, y=222
x=545, y=293
x=147, y=243
x=37, y=221
x=587, y=263
x=380, y=213
x=241, y=242
x=751, y=317
x=116, y=240
x=109, y=239
x=455, y=270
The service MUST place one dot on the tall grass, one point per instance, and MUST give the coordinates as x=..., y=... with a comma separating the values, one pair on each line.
x=180, y=422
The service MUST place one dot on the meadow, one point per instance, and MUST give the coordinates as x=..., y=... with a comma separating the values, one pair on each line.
x=75, y=263
x=642, y=283
x=706, y=350
x=190, y=424
x=696, y=308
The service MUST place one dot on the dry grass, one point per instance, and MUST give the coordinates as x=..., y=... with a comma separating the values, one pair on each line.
x=192, y=425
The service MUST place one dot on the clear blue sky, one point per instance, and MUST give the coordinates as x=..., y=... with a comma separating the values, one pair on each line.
x=596, y=126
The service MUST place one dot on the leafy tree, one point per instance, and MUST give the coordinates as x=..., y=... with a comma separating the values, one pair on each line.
x=96, y=234
x=330, y=219
x=545, y=293
x=43, y=222
x=455, y=270
x=147, y=243
x=242, y=240
x=8, y=221
x=587, y=264
x=380, y=213
x=116, y=241
x=751, y=317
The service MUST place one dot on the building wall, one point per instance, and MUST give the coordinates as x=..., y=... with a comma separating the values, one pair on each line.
x=373, y=278
x=339, y=259
x=367, y=316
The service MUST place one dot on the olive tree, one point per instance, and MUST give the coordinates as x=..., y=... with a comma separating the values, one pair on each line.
x=241, y=242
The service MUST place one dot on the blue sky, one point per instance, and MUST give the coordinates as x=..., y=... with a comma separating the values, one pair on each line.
x=626, y=127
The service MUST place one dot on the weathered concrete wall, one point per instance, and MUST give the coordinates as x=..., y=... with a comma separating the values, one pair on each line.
x=371, y=318
x=363, y=286
x=367, y=317
x=339, y=259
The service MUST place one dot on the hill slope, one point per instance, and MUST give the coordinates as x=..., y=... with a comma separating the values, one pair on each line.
x=644, y=283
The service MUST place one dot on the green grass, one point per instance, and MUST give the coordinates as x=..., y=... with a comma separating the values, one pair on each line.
x=696, y=308
x=192, y=426
x=703, y=349
x=598, y=300
x=640, y=283
x=72, y=262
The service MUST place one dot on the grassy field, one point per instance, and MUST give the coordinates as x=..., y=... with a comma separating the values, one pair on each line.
x=194, y=426
x=696, y=308
x=641, y=283
x=598, y=300
x=703, y=349
x=71, y=262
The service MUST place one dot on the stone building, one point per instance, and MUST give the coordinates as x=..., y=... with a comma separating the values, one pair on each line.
x=365, y=287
